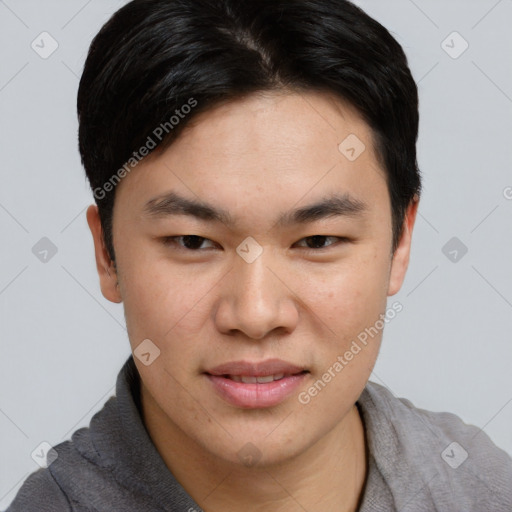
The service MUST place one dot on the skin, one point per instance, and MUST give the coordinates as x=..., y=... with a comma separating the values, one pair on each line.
x=257, y=158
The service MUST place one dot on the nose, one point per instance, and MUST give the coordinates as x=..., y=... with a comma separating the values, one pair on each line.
x=256, y=300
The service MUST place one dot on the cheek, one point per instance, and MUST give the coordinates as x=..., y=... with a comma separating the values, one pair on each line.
x=349, y=304
x=164, y=303
x=349, y=295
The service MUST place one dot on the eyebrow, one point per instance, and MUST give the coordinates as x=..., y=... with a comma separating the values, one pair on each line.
x=171, y=204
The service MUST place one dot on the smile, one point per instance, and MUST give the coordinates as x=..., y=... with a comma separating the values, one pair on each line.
x=256, y=384
x=251, y=379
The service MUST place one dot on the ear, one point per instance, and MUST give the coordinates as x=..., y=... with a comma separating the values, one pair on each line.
x=104, y=265
x=400, y=259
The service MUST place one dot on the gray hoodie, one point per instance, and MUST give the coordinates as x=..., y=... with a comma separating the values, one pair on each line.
x=417, y=461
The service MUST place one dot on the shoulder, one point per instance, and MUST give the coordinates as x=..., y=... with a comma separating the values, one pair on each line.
x=40, y=492
x=417, y=424
x=75, y=474
x=452, y=460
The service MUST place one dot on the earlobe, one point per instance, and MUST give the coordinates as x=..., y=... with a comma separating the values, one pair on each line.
x=104, y=265
x=400, y=260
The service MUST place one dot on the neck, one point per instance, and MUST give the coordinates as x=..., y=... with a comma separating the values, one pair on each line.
x=328, y=475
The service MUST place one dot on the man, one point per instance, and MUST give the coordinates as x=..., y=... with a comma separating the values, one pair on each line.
x=254, y=169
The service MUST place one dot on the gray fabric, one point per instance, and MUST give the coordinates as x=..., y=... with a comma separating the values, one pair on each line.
x=113, y=465
x=407, y=444
x=377, y=496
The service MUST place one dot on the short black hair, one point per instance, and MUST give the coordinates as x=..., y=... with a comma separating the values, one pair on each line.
x=153, y=58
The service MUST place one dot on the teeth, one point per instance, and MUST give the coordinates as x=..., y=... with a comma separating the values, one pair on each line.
x=249, y=379
x=263, y=380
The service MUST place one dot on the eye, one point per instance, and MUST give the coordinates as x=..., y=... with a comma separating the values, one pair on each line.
x=318, y=241
x=195, y=243
x=187, y=242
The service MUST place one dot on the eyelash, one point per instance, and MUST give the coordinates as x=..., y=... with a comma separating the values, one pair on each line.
x=171, y=240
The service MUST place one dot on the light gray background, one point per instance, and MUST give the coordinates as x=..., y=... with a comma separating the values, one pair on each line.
x=62, y=343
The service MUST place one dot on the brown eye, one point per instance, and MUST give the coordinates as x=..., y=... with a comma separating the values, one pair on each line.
x=187, y=242
x=319, y=241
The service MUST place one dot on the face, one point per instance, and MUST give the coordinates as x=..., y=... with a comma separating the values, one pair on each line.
x=228, y=268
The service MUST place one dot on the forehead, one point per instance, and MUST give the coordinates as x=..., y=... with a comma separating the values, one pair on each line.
x=310, y=124
x=264, y=151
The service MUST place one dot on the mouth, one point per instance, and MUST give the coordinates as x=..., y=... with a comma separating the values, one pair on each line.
x=268, y=368
x=252, y=379
x=256, y=385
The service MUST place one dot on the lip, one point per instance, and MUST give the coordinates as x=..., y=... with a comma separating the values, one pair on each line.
x=256, y=369
x=256, y=395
